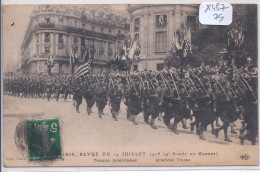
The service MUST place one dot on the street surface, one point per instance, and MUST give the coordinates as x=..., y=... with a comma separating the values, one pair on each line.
x=81, y=133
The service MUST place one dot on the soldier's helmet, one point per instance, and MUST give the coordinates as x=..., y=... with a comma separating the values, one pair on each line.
x=254, y=72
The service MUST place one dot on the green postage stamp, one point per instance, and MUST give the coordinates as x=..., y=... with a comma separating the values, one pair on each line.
x=44, y=139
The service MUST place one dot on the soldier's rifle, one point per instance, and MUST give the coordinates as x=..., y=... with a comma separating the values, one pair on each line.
x=164, y=83
x=177, y=76
x=174, y=84
x=222, y=88
x=248, y=86
x=232, y=90
x=150, y=83
x=239, y=79
x=199, y=82
x=97, y=81
x=238, y=85
x=131, y=81
x=193, y=84
x=140, y=77
x=86, y=79
x=127, y=79
x=112, y=81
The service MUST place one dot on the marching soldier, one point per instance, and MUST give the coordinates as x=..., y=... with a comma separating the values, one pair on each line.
x=115, y=94
x=101, y=96
x=89, y=95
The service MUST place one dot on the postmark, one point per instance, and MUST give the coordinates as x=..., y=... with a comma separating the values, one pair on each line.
x=43, y=138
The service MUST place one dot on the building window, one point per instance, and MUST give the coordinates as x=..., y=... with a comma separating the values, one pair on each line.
x=102, y=30
x=47, y=21
x=47, y=50
x=37, y=49
x=93, y=28
x=60, y=68
x=192, y=23
x=75, y=40
x=83, y=42
x=37, y=38
x=135, y=67
x=47, y=37
x=119, y=32
x=119, y=45
x=61, y=21
x=137, y=24
x=83, y=26
x=161, y=41
x=75, y=23
x=110, y=31
x=161, y=20
x=83, y=15
x=137, y=38
x=160, y=66
x=60, y=40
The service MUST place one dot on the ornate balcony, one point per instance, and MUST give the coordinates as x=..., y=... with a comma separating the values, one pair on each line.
x=79, y=31
x=46, y=25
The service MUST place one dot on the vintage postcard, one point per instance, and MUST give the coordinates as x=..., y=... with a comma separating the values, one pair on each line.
x=130, y=85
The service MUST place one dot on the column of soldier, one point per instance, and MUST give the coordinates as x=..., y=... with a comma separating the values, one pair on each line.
x=203, y=95
x=37, y=85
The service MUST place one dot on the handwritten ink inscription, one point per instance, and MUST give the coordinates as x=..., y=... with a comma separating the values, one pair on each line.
x=215, y=13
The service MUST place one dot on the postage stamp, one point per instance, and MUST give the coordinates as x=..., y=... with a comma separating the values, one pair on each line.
x=44, y=139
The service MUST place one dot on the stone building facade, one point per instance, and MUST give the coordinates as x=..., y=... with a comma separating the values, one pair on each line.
x=153, y=27
x=58, y=29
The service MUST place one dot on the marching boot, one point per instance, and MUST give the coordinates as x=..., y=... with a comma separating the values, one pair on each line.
x=99, y=113
x=174, y=128
x=77, y=108
x=115, y=116
x=166, y=122
x=147, y=120
x=227, y=139
x=201, y=133
x=216, y=132
x=152, y=124
x=233, y=130
x=160, y=117
x=134, y=120
x=192, y=126
x=88, y=110
x=184, y=124
x=131, y=118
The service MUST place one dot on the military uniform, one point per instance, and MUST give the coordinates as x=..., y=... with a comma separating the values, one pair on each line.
x=115, y=94
x=101, y=98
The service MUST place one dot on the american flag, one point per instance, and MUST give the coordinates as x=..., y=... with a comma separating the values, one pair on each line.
x=83, y=69
x=187, y=48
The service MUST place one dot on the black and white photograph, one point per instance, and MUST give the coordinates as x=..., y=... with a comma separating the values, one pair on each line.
x=130, y=85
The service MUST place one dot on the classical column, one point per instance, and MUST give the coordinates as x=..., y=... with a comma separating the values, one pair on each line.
x=54, y=44
x=41, y=43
